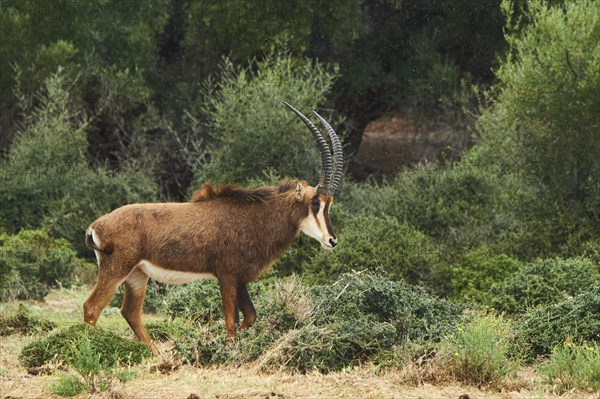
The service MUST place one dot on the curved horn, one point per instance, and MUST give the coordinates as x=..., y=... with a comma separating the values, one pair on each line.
x=326, y=173
x=338, y=155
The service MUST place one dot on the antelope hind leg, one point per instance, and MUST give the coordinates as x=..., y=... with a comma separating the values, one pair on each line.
x=131, y=309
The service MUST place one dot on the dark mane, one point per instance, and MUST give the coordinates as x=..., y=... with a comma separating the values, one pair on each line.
x=260, y=194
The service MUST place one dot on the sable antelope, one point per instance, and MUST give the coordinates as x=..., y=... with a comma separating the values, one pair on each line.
x=228, y=233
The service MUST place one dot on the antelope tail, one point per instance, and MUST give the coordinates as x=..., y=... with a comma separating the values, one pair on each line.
x=92, y=241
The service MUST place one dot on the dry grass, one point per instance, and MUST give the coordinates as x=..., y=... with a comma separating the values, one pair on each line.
x=156, y=379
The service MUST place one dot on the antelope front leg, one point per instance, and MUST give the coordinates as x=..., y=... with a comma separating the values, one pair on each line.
x=229, y=294
x=246, y=306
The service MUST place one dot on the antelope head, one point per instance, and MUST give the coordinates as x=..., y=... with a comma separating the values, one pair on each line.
x=318, y=199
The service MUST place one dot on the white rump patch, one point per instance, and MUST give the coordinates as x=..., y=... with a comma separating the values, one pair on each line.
x=167, y=276
x=97, y=242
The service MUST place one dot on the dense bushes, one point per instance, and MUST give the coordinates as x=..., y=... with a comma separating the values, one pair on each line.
x=475, y=272
x=32, y=262
x=577, y=318
x=451, y=203
x=544, y=281
x=377, y=243
x=46, y=180
x=326, y=327
x=541, y=125
x=199, y=301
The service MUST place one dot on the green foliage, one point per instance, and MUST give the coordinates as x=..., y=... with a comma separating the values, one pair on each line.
x=444, y=212
x=543, y=282
x=324, y=328
x=73, y=345
x=542, y=125
x=255, y=132
x=478, y=352
x=452, y=204
x=572, y=367
x=478, y=270
x=69, y=384
x=198, y=301
x=96, y=374
x=416, y=315
x=377, y=243
x=23, y=322
x=46, y=179
x=546, y=327
x=90, y=196
x=32, y=262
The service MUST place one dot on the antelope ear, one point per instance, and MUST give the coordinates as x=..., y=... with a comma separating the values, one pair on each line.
x=299, y=191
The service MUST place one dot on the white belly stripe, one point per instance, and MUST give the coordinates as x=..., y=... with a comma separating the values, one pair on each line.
x=167, y=276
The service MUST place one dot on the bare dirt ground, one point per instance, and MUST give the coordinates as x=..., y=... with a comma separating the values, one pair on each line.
x=156, y=379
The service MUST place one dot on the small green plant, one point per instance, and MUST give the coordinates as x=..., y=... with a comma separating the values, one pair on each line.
x=69, y=384
x=478, y=353
x=124, y=374
x=573, y=367
x=87, y=363
x=23, y=322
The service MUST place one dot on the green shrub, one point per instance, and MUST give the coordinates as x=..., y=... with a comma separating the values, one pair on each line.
x=199, y=301
x=478, y=270
x=69, y=384
x=377, y=243
x=23, y=322
x=255, y=132
x=359, y=317
x=546, y=327
x=451, y=204
x=324, y=328
x=543, y=282
x=32, y=262
x=65, y=346
x=281, y=305
x=572, y=367
x=416, y=315
x=478, y=352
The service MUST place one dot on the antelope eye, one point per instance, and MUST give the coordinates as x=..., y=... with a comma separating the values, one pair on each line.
x=315, y=205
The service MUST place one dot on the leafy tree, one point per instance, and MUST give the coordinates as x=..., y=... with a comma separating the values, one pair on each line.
x=253, y=130
x=46, y=178
x=543, y=124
